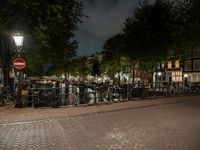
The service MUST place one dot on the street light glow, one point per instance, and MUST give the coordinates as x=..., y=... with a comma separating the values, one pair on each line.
x=159, y=73
x=18, y=39
x=186, y=75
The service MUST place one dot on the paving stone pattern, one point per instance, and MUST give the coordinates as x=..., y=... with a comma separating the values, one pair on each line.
x=172, y=126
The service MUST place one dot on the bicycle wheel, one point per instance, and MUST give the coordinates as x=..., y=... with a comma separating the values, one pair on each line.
x=121, y=98
x=90, y=98
x=180, y=92
x=72, y=100
x=10, y=98
x=56, y=102
x=107, y=98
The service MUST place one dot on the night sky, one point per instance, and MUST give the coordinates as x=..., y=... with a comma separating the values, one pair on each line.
x=106, y=18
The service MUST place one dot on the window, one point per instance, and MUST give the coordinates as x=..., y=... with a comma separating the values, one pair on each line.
x=195, y=77
x=169, y=66
x=177, y=76
x=188, y=66
x=177, y=65
x=196, y=65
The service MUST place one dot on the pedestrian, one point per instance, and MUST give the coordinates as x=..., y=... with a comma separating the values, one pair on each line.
x=81, y=92
x=142, y=90
x=169, y=89
x=66, y=90
x=57, y=86
x=174, y=86
x=30, y=94
x=18, y=102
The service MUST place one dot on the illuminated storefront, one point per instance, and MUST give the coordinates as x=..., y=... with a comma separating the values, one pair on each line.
x=173, y=70
x=177, y=76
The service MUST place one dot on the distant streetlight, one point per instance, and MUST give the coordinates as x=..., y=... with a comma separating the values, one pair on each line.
x=20, y=64
x=185, y=75
x=159, y=77
x=159, y=74
x=185, y=78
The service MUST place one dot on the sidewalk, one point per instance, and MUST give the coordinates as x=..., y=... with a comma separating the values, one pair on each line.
x=10, y=115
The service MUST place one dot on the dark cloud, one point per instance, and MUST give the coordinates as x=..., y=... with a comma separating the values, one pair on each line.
x=106, y=18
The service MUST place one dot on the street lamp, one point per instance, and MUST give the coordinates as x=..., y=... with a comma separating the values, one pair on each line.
x=185, y=78
x=19, y=65
x=159, y=77
x=18, y=39
x=159, y=74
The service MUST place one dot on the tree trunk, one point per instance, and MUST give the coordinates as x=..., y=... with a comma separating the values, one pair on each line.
x=5, y=58
x=152, y=74
x=133, y=73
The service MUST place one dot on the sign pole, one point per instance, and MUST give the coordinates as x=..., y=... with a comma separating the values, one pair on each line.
x=19, y=64
x=19, y=92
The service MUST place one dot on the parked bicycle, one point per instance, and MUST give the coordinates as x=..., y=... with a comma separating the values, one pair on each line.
x=137, y=92
x=112, y=94
x=77, y=96
x=71, y=96
x=179, y=91
x=7, y=96
x=47, y=97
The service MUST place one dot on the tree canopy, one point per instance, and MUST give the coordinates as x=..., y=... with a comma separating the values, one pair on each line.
x=48, y=27
x=148, y=31
x=146, y=36
x=114, y=49
x=187, y=29
x=157, y=31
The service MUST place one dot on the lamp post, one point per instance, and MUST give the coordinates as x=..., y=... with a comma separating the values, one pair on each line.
x=185, y=78
x=19, y=64
x=186, y=82
x=159, y=77
x=18, y=39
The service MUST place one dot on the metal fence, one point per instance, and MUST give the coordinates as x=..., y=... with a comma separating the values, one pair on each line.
x=89, y=94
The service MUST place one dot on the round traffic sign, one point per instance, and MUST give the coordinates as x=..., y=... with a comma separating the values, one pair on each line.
x=19, y=63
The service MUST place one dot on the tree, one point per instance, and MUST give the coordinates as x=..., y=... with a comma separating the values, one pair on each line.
x=114, y=44
x=79, y=67
x=5, y=55
x=95, y=70
x=187, y=27
x=48, y=26
x=113, y=51
x=148, y=33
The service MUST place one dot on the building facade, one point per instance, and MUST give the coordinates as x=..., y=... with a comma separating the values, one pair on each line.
x=174, y=70
x=192, y=67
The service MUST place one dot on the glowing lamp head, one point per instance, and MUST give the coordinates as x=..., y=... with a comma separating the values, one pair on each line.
x=18, y=38
x=159, y=73
x=186, y=75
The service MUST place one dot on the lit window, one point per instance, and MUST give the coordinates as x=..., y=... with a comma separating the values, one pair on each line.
x=177, y=76
x=177, y=65
x=169, y=64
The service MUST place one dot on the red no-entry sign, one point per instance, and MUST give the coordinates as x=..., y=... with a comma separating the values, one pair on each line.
x=19, y=63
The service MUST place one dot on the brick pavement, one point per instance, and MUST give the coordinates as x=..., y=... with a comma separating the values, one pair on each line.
x=164, y=124
x=16, y=115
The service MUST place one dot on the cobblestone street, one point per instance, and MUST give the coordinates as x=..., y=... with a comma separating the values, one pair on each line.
x=157, y=124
